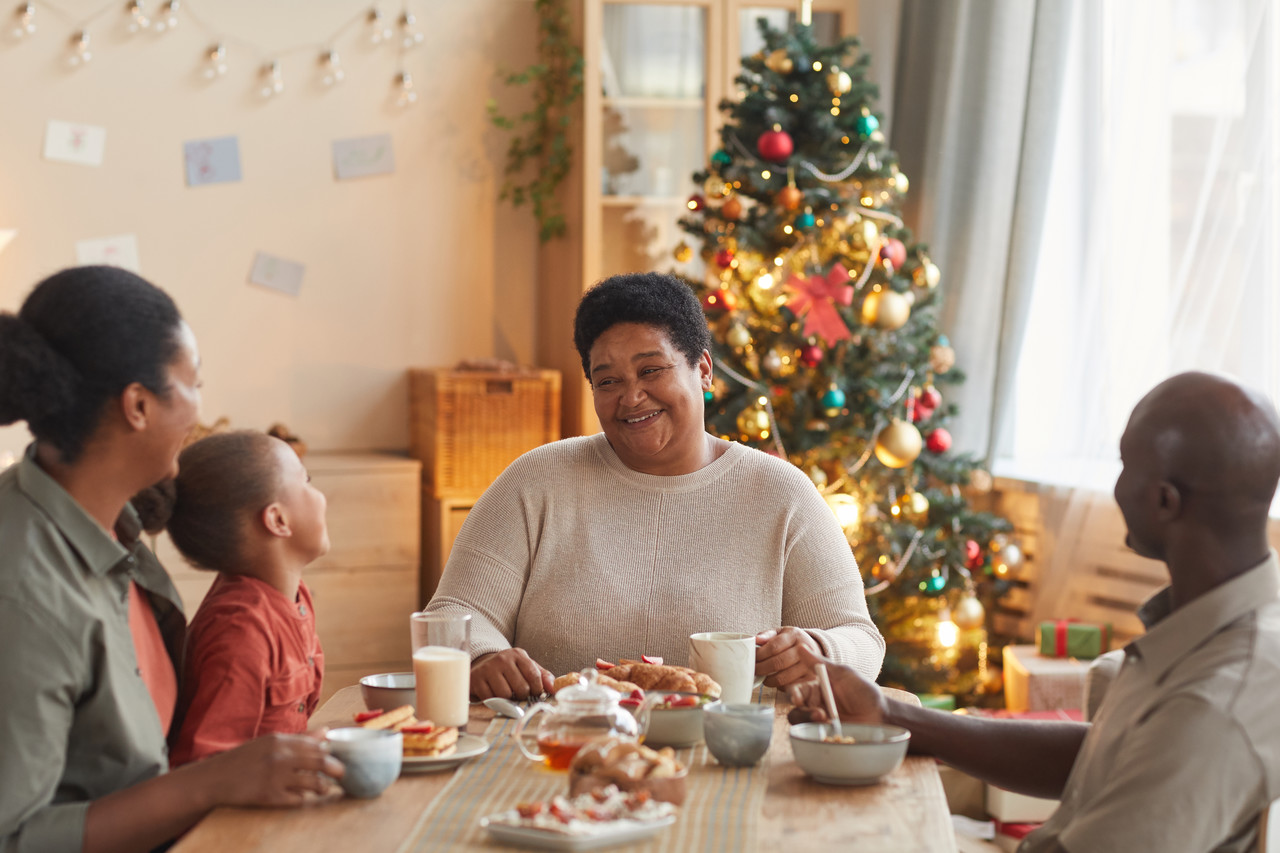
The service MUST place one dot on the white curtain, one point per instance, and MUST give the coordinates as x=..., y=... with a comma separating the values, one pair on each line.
x=1160, y=238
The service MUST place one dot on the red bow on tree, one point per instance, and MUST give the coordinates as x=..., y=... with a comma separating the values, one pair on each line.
x=815, y=299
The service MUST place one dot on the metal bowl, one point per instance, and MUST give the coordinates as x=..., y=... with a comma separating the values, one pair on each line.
x=388, y=690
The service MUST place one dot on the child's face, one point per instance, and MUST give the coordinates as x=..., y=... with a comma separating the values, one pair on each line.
x=303, y=504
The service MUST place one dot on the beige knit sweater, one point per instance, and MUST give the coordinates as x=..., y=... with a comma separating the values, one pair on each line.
x=571, y=555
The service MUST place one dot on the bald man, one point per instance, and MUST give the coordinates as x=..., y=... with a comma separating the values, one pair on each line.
x=1184, y=753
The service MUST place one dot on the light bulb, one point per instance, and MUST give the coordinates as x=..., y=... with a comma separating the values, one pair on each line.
x=379, y=31
x=138, y=19
x=410, y=37
x=25, y=24
x=948, y=631
x=168, y=18
x=331, y=68
x=407, y=94
x=274, y=82
x=80, y=49
x=215, y=62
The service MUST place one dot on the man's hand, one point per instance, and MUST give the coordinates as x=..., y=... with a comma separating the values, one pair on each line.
x=857, y=699
x=779, y=659
x=509, y=674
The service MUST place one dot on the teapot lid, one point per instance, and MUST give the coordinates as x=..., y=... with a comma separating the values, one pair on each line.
x=588, y=694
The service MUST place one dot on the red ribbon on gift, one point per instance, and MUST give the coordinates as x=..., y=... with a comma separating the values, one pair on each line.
x=1060, y=637
x=816, y=297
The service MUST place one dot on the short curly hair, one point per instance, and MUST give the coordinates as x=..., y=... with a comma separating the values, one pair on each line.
x=654, y=299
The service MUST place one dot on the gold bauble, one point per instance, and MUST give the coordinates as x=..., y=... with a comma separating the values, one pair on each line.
x=753, y=422
x=900, y=182
x=927, y=275
x=683, y=253
x=898, y=444
x=789, y=198
x=980, y=480
x=779, y=62
x=732, y=208
x=839, y=81
x=716, y=187
x=780, y=362
x=968, y=613
x=885, y=309
x=737, y=336
x=914, y=506
x=941, y=359
x=870, y=232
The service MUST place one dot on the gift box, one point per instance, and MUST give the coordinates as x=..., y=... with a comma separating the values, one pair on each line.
x=1065, y=638
x=1009, y=835
x=1008, y=807
x=1033, y=682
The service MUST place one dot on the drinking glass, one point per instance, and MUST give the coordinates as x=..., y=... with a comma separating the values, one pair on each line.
x=442, y=666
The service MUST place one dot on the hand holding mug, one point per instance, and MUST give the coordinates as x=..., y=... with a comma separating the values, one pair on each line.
x=779, y=659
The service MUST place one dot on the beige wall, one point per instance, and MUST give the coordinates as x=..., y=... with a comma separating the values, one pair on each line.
x=422, y=267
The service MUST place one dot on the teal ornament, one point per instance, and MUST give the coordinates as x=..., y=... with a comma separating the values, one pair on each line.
x=721, y=158
x=805, y=220
x=867, y=125
x=708, y=395
x=833, y=399
x=944, y=341
x=936, y=583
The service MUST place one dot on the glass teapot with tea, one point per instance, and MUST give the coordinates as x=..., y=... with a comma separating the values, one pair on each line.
x=582, y=712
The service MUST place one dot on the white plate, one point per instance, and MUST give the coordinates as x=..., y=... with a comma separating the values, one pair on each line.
x=545, y=839
x=469, y=746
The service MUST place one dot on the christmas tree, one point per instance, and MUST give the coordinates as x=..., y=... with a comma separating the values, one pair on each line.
x=827, y=350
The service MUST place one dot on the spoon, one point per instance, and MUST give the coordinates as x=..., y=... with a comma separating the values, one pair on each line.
x=825, y=681
x=505, y=707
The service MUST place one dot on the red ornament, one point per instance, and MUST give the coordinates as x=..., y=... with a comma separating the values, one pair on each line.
x=938, y=441
x=718, y=300
x=972, y=555
x=775, y=145
x=697, y=202
x=811, y=355
x=930, y=397
x=920, y=412
x=893, y=251
x=724, y=258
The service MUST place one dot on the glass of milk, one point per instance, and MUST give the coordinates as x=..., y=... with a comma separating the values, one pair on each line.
x=442, y=666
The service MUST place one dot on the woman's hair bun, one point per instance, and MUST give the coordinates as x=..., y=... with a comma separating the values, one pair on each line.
x=154, y=505
x=35, y=379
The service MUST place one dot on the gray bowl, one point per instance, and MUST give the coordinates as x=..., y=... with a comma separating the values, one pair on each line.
x=878, y=751
x=388, y=690
x=737, y=735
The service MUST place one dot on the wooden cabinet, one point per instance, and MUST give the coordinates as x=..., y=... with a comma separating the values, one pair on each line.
x=367, y=585
x=656, y=72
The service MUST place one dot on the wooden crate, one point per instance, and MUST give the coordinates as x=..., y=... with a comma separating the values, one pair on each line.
x=467, y=426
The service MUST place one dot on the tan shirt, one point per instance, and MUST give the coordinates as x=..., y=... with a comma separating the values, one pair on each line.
x=571, y=555
x=76, y=720
x=1185, y=751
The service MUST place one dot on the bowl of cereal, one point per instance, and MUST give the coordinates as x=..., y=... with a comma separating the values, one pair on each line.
x=862, y=754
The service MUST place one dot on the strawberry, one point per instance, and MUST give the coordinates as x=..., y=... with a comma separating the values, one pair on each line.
x=656, y=661
x=425, y=727
x=365, y=716
x=629, y=702
x=679, y=701
x=560, y=813
x=603, y=664
x=637, y=694
x=531, y=809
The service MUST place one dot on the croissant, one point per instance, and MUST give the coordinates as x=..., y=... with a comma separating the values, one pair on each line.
x=654, y=677
x=619, y=684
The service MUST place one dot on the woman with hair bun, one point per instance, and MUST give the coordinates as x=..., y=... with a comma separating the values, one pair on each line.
x=105, y=372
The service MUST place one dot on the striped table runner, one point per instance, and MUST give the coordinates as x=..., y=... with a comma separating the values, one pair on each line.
x=720, y=812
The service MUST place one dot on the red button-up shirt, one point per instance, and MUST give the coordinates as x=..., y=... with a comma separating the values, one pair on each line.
x=253, y=666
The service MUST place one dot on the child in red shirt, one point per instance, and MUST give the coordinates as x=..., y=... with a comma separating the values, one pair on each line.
x=243, y=505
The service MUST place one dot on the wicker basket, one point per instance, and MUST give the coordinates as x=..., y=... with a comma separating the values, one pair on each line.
x=467, y=426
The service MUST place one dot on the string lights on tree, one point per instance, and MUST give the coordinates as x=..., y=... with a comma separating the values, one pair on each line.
x=401, y=33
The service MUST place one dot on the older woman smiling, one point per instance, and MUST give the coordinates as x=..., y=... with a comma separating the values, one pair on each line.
x=626, y=542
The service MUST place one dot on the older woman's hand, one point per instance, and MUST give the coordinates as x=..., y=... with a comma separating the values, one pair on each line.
x=509, y=674
x=779, y=659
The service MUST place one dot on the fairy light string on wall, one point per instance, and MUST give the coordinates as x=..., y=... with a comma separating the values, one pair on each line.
x=394, y=31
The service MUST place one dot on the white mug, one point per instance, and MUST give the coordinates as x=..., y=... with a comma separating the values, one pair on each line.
x=729, y=658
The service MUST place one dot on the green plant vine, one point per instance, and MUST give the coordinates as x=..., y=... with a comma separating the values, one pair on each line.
x=539, y=156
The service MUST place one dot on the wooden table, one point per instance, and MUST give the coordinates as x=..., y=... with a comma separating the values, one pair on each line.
x=907, y=812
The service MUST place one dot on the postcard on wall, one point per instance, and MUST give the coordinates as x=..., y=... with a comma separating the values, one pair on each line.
x=75, y=143
x=363, y=156
x=212, y=161
x=277, y=273
x=119, y=251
